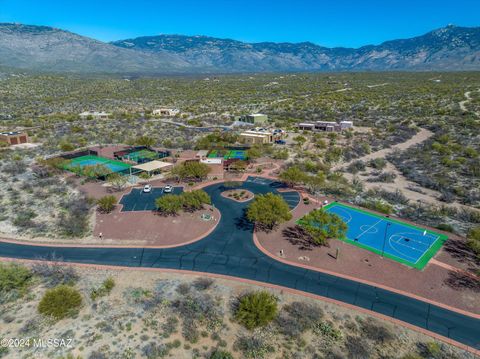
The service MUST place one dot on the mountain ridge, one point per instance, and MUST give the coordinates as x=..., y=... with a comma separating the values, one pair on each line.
x=44, y=48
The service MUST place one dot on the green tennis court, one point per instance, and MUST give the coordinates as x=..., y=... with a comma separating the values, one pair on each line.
x=83, y=162
x=228, y=154
x=141, y=156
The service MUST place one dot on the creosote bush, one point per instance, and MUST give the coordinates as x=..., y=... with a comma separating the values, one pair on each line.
x=256, y=309
x=14, y=281
x=60, y=302
x=106, y=204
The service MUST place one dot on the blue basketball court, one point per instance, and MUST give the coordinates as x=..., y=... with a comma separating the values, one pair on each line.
x=403, y=242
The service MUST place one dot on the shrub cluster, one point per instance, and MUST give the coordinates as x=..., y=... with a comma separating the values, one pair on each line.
x=104, y=289
x=171, y=204
x=256, y=309
x=60, y=302
x=106, y=204
x=14, y=281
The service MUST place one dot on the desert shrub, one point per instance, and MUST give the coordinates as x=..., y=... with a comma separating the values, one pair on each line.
x=14, y=281
x=378, y=206
x=393, y=197
x=253, y=346
x=60, y=302
x=154, y=351
x=386, y=177
x=256, y=309
x=203, y=283
x=445, y=227
x=3, y=352
x=412, y=356
x=31, y=326
x=357, y=347
x=378, y=163
x=169, y=327
x=73, y=222
x=298, y=317
x=327, y=331
x=183, y=288
x=376, y=331
x=104, y=289
x=194, y=309
x=54, y=274
x=431, y=350
x=473, y=240
x=220, y=354
x=24, y=218
x=106, y=204
x=356, y=166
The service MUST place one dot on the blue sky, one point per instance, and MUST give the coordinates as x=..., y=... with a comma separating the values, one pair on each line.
x=326, y=22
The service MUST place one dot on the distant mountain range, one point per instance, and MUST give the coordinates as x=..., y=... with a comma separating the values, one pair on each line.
x=41, y=48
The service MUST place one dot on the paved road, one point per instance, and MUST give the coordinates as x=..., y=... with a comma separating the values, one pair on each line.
x=229, y=250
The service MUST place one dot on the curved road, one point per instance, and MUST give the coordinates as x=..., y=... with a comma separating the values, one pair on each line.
x=230, y=250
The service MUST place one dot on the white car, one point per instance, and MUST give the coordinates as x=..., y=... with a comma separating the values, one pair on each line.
x=147, y=188
x=168, y=189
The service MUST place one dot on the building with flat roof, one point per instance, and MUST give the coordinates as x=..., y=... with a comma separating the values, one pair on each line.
x=325, y=126
x=257, y=137
x=345, y=125
x=14, y=137
x=165, y=111
x=254, y=119
x=94, y=115
x=304, y=126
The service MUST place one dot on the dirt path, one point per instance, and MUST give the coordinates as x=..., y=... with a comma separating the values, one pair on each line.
x=468, y=98
x=418, y=138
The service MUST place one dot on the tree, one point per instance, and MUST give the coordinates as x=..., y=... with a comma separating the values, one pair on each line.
x=195, y=200
x=293, y=176
x=60, y=302
x=268, y=210
x=170, y=204
x=321, y=225
x=66, y=146
x=254, y=153
x=191, y=170
x=315, y=183
x=93, y=171
x=300, y=140
x=256, y=309
x=216, y=140
x=238, y=166
x=106, y=204
x=145, y=141
x=117, y=181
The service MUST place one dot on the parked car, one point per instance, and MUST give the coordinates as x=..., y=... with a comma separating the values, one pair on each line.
x=280, y=142
x=168, y=189
x=147, y=188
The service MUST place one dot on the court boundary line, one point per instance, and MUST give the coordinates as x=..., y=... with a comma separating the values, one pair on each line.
x=369, y=228
x=421, y=262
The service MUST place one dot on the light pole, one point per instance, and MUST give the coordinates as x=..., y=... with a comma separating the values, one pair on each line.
x=385, y=237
